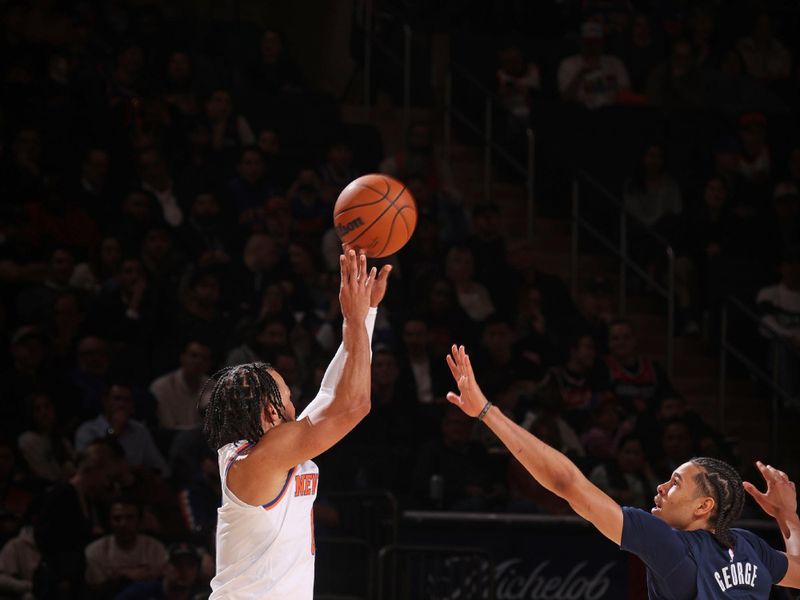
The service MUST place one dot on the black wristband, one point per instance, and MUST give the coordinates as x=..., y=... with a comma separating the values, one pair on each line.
x=484, y=411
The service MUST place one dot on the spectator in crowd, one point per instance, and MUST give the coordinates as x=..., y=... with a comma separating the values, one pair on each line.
x=781, y=229
x=337, y=170
x=537, y=333
x=310, y=210
x=177, y=393
x=178, y=89
x=498, y=357
x=16, y=493
x=276, y=162
x=93, y=191
x=162, y=262
x=90, y=374
x=452, y=472
x=591, y=78
x=47, y=453
x=518, y=79
x=19, y=559
x=446, y=319
x=273, y=71
x=35, y=302
x=755, y=158
x=677, y=446
x=229, y=130
x=489, y=249
x=420, y=365
x=651, y=194
x=205, y=237
x=605, y=430
x=137, y=214
x=157, y=180
x=779, y=305
x=637, y=381
x=628, y=478
x=473, y=297
x=642, y=52
x=125, y=312
x=124, y=555
x=201, y=314
x=249, y=190
x=705, y=245
x=578, y=382
x=101, y=270
x=24, y=375
x=116, y=420
x=677, y=84
x=64, y=328
x=765, y=57
x=197, y=168
x=201, y=497
x=595, y=306
x=69, y=520
x=181, y=578
x=418, y=159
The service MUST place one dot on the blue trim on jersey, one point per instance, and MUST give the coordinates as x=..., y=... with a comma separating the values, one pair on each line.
x=236, y=455
x=277, y=499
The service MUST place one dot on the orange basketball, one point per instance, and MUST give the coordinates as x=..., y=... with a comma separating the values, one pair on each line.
x=375, y=213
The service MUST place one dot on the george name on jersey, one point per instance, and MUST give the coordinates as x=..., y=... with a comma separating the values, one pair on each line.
x=736, y=574
x=306, y=484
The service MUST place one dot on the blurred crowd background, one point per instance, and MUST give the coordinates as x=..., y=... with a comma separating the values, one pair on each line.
x=168, y=177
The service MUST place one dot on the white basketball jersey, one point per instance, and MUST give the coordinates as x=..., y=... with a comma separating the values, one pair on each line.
x=266, y=552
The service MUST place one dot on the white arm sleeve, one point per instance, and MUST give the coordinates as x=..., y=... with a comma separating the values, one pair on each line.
x=334, y=371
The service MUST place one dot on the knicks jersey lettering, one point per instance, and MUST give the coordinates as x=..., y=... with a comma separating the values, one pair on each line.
x=736, y=574
x=305, y=484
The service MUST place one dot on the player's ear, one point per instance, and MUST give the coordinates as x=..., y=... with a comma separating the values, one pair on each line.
x=705, y=506
x=271, y=414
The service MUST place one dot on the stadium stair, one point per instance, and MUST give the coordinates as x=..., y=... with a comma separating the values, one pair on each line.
x=696, y=364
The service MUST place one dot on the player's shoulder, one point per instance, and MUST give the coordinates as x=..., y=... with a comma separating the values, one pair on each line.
x=748, y=536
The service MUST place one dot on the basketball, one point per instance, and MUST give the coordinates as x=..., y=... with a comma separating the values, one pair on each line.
x=375, y=213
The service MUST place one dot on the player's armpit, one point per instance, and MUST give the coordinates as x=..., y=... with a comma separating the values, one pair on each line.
x=259, y=477
x=792, y=577
x=594, y=505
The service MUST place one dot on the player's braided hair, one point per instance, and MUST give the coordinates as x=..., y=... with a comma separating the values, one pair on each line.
x=721, y=481
x=238, y=399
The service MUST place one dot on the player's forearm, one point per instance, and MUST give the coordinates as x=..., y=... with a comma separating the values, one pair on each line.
x=353, y=390
x=333, y=373
x=548, y=466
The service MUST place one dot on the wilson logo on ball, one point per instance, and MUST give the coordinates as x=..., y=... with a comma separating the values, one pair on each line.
x=345, y=228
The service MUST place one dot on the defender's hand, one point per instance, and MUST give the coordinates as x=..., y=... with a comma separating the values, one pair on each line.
x=471, y=399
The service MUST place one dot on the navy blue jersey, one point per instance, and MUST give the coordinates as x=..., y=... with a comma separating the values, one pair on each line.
x=689, y=565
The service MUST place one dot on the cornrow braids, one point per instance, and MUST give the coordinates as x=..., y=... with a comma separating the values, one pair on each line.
x=720, y=480
x=237, y=402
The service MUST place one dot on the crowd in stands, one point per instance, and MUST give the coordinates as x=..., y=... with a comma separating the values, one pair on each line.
x=166, y=212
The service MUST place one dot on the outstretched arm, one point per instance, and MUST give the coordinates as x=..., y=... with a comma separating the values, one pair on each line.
x=780, y=502
x=548, y=466
x=334, y=371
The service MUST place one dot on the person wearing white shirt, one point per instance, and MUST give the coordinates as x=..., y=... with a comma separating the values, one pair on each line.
x=591, y=78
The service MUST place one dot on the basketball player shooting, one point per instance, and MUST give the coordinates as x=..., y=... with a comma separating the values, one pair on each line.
x=265, y=528
x=686, y=540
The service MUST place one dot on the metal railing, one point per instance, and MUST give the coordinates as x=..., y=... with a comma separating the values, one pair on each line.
x=489, y=518
x=735, y=306
x=485, y=134
x=621, y=251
